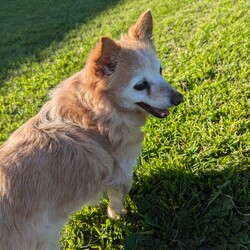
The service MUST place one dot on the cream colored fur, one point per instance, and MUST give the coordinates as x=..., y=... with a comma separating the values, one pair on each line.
x=83, y=142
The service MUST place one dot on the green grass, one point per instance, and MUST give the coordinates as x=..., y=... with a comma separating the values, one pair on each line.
x=192, y=182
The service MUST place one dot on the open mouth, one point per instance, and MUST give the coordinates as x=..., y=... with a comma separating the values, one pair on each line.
x=159, y=113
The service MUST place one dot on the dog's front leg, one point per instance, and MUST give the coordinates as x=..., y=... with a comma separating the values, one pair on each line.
x=116, y=197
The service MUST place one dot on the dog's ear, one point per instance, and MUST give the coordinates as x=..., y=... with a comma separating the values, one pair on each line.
x=143, y=29
x=105, y=55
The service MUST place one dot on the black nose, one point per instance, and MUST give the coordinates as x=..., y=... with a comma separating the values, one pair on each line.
x=176, y=98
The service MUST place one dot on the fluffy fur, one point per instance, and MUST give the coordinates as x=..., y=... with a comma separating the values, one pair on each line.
x=83, y=142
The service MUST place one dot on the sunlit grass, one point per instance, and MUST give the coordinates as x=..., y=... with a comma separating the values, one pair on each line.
x=192, y=181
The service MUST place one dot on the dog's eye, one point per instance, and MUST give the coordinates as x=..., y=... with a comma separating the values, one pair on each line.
x=141, y=86
x=161, y=70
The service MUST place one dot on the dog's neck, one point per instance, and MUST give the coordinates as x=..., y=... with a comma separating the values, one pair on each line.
x=121, y=128
x=76, y=106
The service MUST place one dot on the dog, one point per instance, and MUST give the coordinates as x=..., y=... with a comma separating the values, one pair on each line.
x=84, y=141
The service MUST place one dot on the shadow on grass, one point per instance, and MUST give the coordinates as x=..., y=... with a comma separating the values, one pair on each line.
x=170, y=210
x=28, y=26
x=181, y=211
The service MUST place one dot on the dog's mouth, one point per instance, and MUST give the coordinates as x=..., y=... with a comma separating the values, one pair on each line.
x=159, y=113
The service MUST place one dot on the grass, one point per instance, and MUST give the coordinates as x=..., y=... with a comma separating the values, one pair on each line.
x=192, y=181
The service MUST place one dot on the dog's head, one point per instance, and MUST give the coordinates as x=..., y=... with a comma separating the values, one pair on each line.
x=131, y=72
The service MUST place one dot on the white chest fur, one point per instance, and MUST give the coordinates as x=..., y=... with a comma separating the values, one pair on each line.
x=125, y=160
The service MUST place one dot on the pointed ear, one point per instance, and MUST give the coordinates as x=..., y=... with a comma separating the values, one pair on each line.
x=143, y=29
x=105, y=55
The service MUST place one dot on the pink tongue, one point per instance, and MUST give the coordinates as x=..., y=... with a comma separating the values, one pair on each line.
x=161, y=112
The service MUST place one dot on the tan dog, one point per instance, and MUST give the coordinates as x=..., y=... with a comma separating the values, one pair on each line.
x=84, y=141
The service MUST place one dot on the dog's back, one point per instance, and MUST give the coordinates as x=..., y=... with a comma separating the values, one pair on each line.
x=45, y=174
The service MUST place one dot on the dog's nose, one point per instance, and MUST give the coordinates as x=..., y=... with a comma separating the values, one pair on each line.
x=176, y=98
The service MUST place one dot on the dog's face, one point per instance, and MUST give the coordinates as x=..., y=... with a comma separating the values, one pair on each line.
x=147, y=90
x=133, y=72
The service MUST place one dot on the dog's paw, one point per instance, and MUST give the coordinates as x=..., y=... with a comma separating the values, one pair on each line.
x=114, y=214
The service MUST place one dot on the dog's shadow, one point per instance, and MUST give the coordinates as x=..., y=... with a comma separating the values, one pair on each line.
x=27, y=27
x=171, y=210
x=176, y=210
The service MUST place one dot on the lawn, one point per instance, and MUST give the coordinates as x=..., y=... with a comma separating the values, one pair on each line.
x=192, y=181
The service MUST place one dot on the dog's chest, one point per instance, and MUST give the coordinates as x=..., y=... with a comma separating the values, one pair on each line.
x=126, y=158
x=126, y=154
